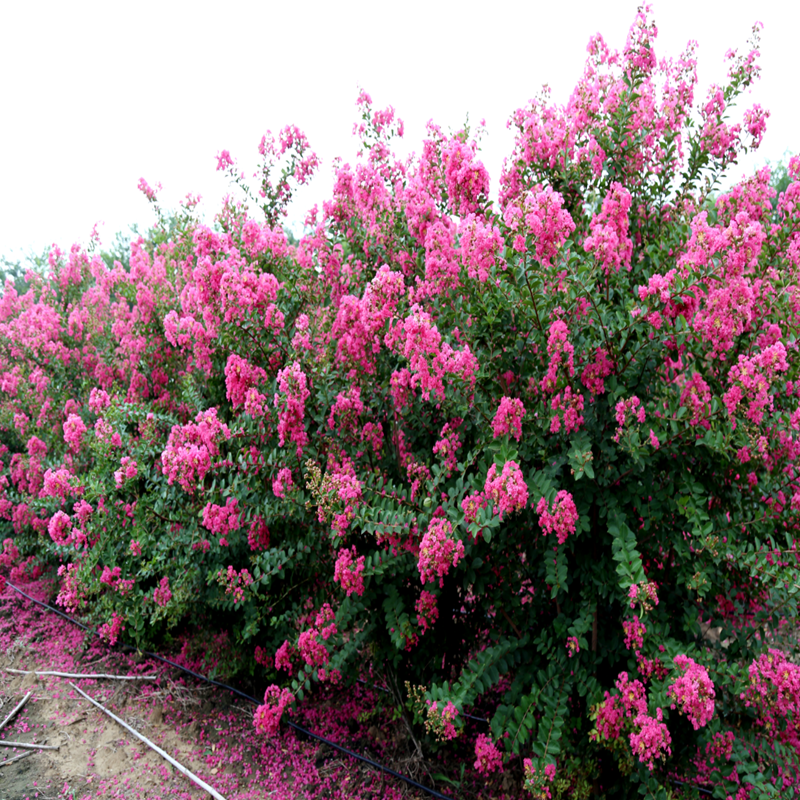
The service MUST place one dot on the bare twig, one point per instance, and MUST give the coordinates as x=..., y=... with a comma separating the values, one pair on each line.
x=192, y=777
x=14, y=758
x=14, y=711
x=79, y=675
x=28, y=745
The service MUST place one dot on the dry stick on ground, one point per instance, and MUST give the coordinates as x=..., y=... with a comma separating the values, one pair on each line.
x=192, y=777
x=81, y=676
x=15, y=758
x=28, y=745
x=14, y=711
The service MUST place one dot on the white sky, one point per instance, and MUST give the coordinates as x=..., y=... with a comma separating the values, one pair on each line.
x=95, y=95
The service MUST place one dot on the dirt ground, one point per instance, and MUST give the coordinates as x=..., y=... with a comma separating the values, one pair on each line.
x=204, y=728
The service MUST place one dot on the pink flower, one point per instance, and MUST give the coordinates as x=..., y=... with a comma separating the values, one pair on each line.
x=438, y=551
x=427, y=612
x=128, y=471
x=634, y=631
x=162, y=594
x=442, y=723
x=348, y=571
x=508, y=419
x=284, y=656
x=282, y=482
x=313, y=651
x=136, y=548
x=291, y=407
x=267, y=717
x=573, y=646
x=610, y=717
x=471, y=504
x=507, y=490
x=692, y=692
x=59, y=527
x=258, y=534
x=111, y=630
x=562, y=520
x=488, y=758
x=652, y=739
x=609, y=239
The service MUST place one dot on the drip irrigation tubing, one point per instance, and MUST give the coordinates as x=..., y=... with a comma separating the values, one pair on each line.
x=243, y=695
x=293, y=725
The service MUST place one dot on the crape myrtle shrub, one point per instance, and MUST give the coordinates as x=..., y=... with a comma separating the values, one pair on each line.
x=541, y=448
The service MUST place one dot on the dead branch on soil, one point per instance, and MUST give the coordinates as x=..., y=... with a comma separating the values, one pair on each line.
x=82, y=676
x=192, y=777
x=28, y=745
x=14, y=711
x=15, y=758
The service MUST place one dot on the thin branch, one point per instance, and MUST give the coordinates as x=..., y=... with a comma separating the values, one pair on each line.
x=192, y=777
x=15, y=758
x=82, y=676
x=14, y=711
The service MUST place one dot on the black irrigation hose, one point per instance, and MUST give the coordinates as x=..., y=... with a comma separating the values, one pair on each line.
x=298, y=728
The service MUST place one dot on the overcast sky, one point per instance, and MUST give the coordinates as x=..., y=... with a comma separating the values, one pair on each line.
x=96, y=95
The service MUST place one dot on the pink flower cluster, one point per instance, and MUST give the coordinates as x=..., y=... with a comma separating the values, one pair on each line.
x=348, y=572
x=610, y=715
x=562, y=519
x=240, y=377
x=467, y=179
x=537, y=780
x=128, y=471
x=223, y=520
x=508, y=419
x=568, y=406
x=291, y=405
x=346, y=410
x=471, y=504
x=609, y=240
x=162, y=594
x=438, y=551
x=110, y=631
x=310, y=644
x=751, y=378
x=488, y=758
x=282, y=482
x=561, y=352
x=234, y=582
x=448, y=445
x=626, y=411
x=539, y=214
x=646, y=594
x=442, y=723
x=508, y=490
x=190, y=448
x=774, y=688
x=692, y=692
x=284, y=656
x=573, y=646
x=267, y=718
x=258, y=534
x=651, y=740
x=595, y=372
x=98, y=401
x=74, y=428
x=431, y=360
x=480, y=244
x=634, y=632
x=427, y=612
